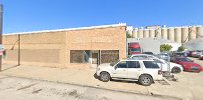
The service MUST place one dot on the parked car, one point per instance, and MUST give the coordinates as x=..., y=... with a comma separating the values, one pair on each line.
x=188, y=64
x=201, y=57
x=196, y=54
x=199, y=53
x=177, y=54
x=164, y=56
x=165, y=66
x=190, y=53
x=149, y=53
x=145, y=71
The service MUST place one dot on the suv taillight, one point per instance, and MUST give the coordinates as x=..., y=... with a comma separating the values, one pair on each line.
x=160, y=72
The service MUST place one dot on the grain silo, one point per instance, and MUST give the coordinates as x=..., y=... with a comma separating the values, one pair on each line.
x=177, y=34
x=135, y=33
x=196, y=44
x=129, y=30
x=192, y=33
x=158, y=33
x=151, y=33
x=185, y=32
x=146, y=33
x=171, y=34
x=140, y=32
x=164, y=33
x=199, y=30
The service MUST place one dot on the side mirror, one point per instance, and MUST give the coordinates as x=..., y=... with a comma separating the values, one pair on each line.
x=115, y=67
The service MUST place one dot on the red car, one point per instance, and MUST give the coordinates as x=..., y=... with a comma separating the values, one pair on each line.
x=188, y=65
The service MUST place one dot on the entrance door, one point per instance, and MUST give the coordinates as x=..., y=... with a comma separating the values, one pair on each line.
x=95, y=59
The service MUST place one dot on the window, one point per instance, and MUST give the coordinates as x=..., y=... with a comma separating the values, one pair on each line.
x=150, y=64
x=122, y=64
x=108, y=56
x=133, y=64
x=79, y=56
x=135, y=49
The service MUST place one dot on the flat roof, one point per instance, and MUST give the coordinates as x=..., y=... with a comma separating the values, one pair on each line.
x=69, y=29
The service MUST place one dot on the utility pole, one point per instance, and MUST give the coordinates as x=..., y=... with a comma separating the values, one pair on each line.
x=1, y=29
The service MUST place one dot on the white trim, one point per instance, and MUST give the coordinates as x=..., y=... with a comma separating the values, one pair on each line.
x=69, y=29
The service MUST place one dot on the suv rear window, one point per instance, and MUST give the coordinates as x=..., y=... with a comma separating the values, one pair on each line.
x=150, y=64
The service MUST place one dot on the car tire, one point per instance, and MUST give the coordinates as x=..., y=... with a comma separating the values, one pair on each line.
x=105, y=77
x=176, y=70
x=145, y=80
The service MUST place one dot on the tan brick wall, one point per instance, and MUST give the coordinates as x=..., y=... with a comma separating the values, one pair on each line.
x=98, y=39
x=53, y=48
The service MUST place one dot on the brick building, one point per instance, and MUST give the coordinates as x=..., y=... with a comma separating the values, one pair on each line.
x=81, y=47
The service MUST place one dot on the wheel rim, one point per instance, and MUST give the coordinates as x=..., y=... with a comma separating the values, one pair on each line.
x=146, y=80
x=104, y=77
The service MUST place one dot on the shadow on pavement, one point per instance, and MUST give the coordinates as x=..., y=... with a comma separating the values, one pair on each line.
x=9, y=67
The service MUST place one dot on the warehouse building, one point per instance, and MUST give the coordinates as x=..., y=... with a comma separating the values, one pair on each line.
x=73, y=47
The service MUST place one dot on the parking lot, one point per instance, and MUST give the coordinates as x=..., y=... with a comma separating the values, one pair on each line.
x=188, y=86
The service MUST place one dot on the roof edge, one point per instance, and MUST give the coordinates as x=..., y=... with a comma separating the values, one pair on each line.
x=69, y=29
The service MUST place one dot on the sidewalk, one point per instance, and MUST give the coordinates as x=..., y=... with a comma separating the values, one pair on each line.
x=85, y=77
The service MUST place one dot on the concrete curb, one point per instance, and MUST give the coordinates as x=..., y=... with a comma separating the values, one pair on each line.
x=81, y=85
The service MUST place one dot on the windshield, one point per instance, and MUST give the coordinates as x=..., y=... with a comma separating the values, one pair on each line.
x=184, y=60
x=180, y=54
x=135, y=49
x=113, y=63
x=148, y=53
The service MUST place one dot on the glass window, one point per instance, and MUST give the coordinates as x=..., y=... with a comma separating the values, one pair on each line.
x=133, y=64
x=136, y=49
x=184, y=60
x=86, y=54
x=79, y=56
x=122, y=64
x=108, y=56
x=150, y=64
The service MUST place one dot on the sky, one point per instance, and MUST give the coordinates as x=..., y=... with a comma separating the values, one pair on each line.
x=36, y=15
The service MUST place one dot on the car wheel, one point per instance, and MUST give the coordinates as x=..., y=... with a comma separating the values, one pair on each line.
x=176, y=70
x=145, y=80
x=105, y=77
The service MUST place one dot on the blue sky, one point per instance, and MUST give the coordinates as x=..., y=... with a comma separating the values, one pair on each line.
x=34, y=15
